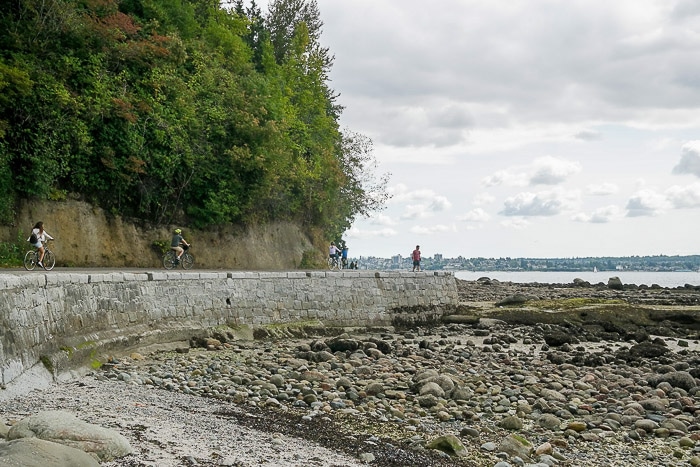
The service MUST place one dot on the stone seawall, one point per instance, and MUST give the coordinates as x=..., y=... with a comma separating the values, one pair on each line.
x=55, y=324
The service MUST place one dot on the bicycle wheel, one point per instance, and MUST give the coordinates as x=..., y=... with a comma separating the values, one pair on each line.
x=187, y=260
x=330, y=263
x=30, y=260
x=49, y=259
x=169, y=260
x=335, y=264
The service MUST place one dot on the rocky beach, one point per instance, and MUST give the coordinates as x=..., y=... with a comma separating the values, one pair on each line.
x=522, y=375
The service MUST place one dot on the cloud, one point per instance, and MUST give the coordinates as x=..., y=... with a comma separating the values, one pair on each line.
x=552, y=171
x=684, y=197
x=544, y=203
x=381, y=219
x=588, y=135
x=690, y=159
x=531, y=204
x=646, y=203
x=545, y=170
x=603, y=189
x=439, y=203
x=587, y=64
x=599, y=216
x=475, y=215
x=425, y=210
x=516, y=223
x=401, y=194
x=482, y=199
x=505, y=177
x=361, y=234
x=432, y=229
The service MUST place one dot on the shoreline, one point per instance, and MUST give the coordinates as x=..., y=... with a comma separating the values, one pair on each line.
x=381, y=398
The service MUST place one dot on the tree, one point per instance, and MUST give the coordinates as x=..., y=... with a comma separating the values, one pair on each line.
x=282, y=20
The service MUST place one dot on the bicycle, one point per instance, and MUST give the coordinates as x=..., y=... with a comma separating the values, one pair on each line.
x=333, y=262
x=31, y=259
x=186, y=260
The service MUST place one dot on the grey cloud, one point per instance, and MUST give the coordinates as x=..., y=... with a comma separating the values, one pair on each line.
x=415, y=126
x=583, y=62
x=552, y=171
x=638, y=207
x=588, y=135
x=689, y=163
x=601, y=215
x=452, y=117
x=547, y=176
x=685, y=9
x=602, y=189
x=684, y=197
x=440, y=203
x=526, y=204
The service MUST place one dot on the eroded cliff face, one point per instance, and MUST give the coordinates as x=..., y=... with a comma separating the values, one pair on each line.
x=86, y=236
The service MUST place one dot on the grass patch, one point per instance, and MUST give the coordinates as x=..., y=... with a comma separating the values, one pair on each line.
x=12, y=253
x=575, y=303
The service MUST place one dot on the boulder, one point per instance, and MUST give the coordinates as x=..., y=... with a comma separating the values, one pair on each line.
x=342, y=343
x=516, y=445
x=517, y=299
x=35, y=452
x=449, y=444
x=65, y=428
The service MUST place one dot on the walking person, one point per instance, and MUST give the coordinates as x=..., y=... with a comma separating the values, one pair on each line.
x=37, y=238
x=416, y=258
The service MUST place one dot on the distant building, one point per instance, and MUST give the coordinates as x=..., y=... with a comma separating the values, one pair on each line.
x=437, y=257
x=396, y=260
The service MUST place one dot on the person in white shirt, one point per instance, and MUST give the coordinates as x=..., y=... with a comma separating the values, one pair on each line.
x=41, y=237
x=333, y=251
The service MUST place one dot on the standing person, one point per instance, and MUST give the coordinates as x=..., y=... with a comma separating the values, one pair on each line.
x=176, y=242
x=416, y=258
x=38, y=237
x=345, y=255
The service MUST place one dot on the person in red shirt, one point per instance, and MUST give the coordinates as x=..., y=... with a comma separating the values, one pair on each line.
x=416, y=258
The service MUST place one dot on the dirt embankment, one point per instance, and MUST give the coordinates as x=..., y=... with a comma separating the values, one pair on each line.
x=87, y=236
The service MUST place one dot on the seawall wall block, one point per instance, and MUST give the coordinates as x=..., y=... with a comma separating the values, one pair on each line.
x=46, y=314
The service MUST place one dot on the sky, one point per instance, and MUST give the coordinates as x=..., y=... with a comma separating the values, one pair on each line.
x=529, y=128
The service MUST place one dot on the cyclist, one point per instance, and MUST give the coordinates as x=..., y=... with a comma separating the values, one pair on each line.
x=175, y=244
x=333, y=251
x=41, y=236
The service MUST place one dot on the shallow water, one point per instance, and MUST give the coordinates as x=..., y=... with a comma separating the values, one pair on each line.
x=664, y=279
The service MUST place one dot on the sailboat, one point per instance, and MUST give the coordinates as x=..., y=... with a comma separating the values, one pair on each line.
x=595, y=269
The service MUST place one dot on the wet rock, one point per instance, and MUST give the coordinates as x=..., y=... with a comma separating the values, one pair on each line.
x=449, y=444
x=615, y=283
x=65, y=428
x=35, y=452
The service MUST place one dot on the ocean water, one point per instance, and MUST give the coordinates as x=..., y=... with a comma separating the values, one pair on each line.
x=664, y=279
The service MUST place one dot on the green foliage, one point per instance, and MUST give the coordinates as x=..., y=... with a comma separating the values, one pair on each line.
x=312, y=259
x=12, y=254
x=177, y=111
x=160, y=246
x=46, y=361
